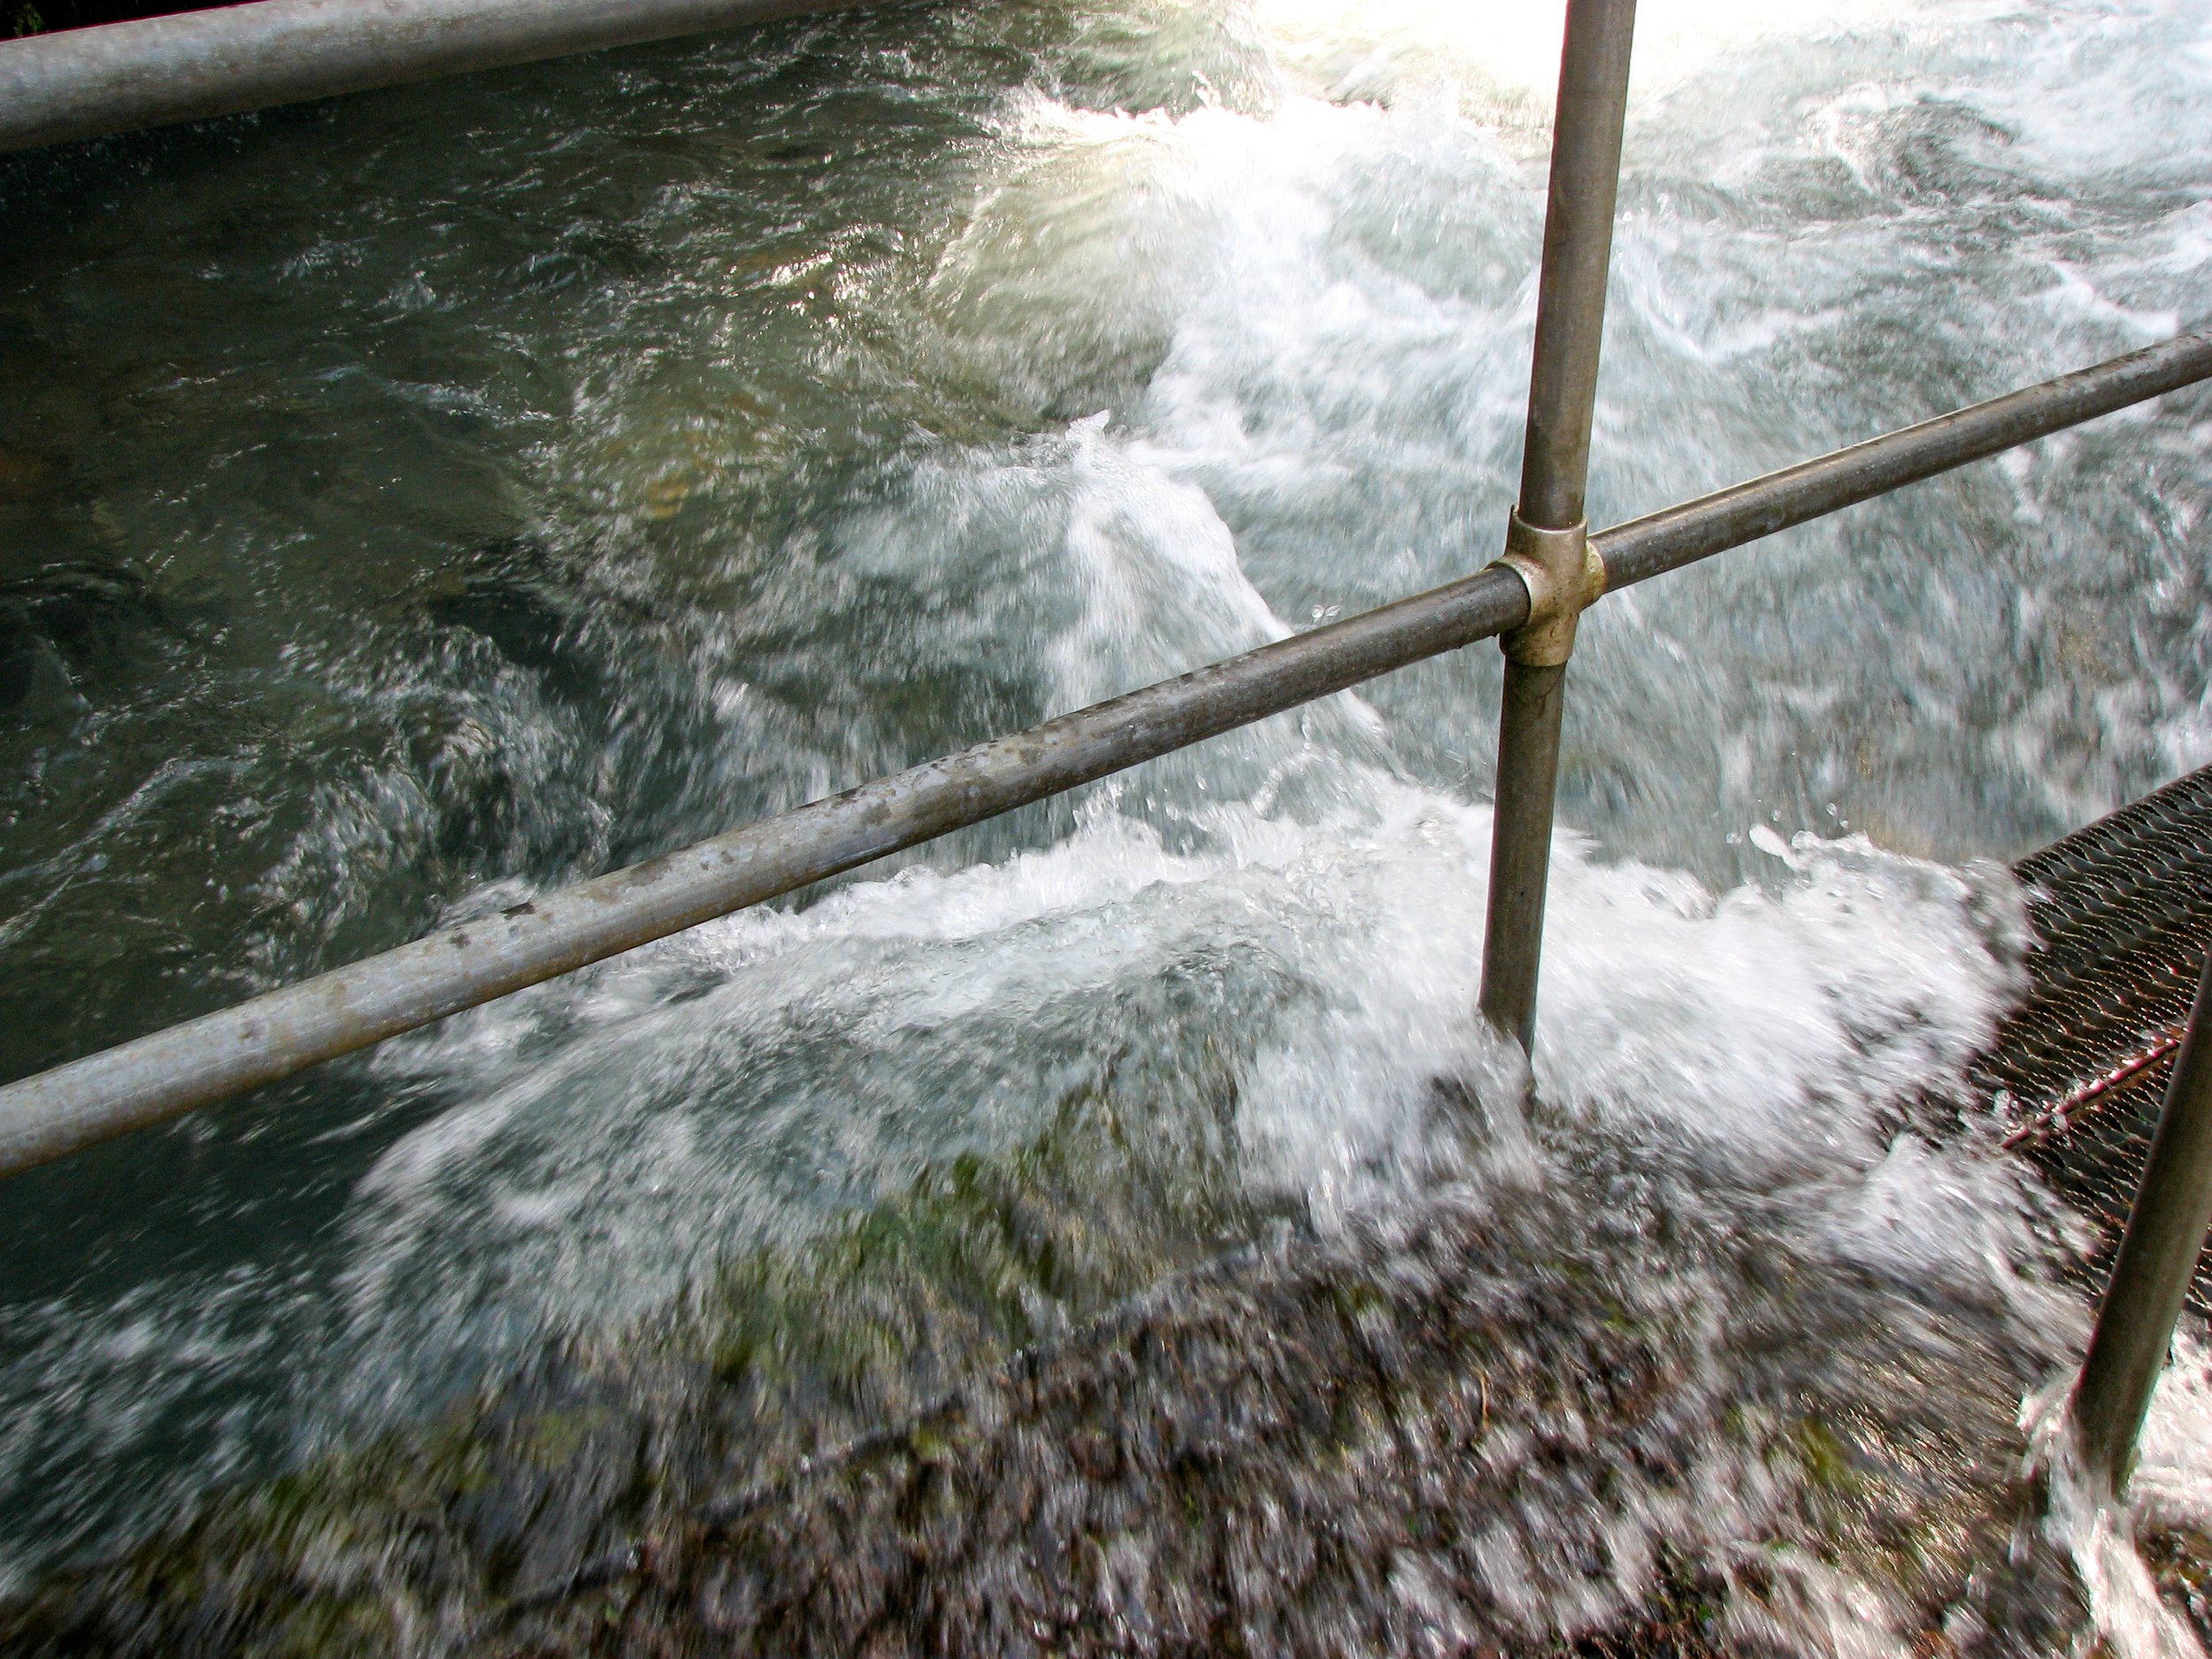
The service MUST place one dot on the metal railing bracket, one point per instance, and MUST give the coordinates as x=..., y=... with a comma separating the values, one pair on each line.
x=1564, y=575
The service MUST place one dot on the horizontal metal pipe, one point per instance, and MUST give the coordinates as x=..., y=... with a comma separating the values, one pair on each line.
x=1666, y=541
x=274, y=1035
x=203, y=1060
x=80, y=83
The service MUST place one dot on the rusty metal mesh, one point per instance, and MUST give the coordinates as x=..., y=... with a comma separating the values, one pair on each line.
x=2124, y=912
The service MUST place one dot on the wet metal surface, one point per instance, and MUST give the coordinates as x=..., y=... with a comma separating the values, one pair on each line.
x=80, y=83
x=2123, y=910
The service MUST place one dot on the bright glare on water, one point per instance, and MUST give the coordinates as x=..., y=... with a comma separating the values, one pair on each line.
x=416, y=502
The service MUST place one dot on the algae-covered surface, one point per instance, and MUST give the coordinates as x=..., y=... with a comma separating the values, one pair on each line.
x=1552, y=1406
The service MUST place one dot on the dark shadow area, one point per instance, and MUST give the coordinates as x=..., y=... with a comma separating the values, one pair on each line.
x=18, y=17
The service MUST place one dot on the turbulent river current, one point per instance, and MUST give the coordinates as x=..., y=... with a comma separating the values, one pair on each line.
x=416, y=502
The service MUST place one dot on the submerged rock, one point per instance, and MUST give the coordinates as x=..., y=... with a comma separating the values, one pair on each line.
x=1586, y=1413
x=25, y=474
x=83, y=623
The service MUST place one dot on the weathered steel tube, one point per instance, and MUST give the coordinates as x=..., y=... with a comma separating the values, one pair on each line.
x=203, y=1060
x=1661, y=541
x=273, y=1036
x=80, y=83
x=1585, y=169
x=2157, y=1256
x=1529, y=718
x=1585, y=172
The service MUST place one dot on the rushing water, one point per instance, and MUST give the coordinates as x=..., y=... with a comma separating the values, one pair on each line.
x=414, y=502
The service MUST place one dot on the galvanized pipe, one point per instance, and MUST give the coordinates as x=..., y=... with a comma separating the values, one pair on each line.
x=1529, y=715
x=1661, y=541
x=1585, y=169
x=80, y=83
x=274, y=1035
x=2150, y=1276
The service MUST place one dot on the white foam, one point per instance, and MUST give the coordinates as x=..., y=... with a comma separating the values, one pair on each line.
x=831, y=1053
x=2125, y=1611
x=2172, y=1482
x=1369, y=46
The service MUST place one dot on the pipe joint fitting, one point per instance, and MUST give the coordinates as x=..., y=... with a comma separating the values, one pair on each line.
x=1564, y=575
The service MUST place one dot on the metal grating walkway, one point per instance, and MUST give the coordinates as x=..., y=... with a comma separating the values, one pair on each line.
x=2123, y=912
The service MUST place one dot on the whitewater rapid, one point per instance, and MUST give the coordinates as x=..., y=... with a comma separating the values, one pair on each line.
x=448, y=492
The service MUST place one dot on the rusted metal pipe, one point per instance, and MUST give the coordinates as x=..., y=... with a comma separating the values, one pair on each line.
x=2157, y=1257
x=81, y=83
x=1546, y=539
x=274, y=1035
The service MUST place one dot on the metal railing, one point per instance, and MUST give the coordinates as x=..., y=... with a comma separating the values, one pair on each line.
x=189, y=65
x=1530, y=598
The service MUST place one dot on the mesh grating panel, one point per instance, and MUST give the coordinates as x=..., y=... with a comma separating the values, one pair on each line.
x=2123, y=909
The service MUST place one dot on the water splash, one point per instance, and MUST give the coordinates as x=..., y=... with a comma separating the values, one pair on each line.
x=566, y=501
x=2126, y=1609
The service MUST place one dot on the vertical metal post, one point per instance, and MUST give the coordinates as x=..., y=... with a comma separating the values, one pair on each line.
x=2158, y=1255
x=1546, y=539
